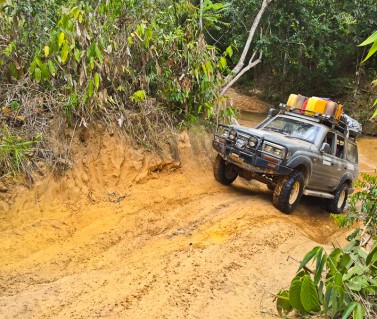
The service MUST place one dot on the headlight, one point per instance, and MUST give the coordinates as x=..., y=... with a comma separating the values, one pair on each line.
x=232, y=134
x=253, y=141
x=274, y=149
x=225, y=133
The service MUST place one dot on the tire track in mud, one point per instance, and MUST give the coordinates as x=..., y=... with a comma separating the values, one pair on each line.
x=178, y=245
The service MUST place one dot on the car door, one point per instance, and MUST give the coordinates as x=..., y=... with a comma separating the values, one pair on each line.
x=325, y=175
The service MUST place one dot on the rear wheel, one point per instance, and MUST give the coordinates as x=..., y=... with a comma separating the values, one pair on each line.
x=337, y=204
x=224, y=172
x=288, y=192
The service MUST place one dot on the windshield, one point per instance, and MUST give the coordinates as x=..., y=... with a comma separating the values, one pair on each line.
x=293, y=128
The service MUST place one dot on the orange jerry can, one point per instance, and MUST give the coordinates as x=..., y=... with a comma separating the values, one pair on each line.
x=339, y=111
x=321, y=106
x=292, y=101
x=331, y=108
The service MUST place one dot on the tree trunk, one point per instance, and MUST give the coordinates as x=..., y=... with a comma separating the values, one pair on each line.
x=239, y=69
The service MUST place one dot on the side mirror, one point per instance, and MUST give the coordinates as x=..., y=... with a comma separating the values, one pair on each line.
x=272, y=112
x=325, y=148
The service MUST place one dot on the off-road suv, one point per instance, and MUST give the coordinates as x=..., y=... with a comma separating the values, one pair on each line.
x=294, y=154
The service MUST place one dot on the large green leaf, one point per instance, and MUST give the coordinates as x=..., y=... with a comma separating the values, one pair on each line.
x=334, y=302
x=61, y=39
x=13, y=70
x=314, y=252
x=341, y=295
x=96, y=80
x=370, y=40
x=98, y=53
x=77, y=55
x=372, y=257
x=51, y=67
x=294, y=295
x=309, y=295
x=328, y=294
x=338, y=279
x=351, y=245
x=64, y=53
x=32, y=67
x=222, y=63
x=38, y=74
x=372, y=51
x=45, y=72
x=356, y=270
x=332, y=260
x=90, y=88
x=354, y=234
x=319, y=269
x=283, y=305
x=229, y=51
x=374, y=114
x=351, y=306
x=358, y=311
x=355, y=283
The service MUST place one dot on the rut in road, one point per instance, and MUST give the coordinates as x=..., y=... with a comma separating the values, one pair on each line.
x=176, y=244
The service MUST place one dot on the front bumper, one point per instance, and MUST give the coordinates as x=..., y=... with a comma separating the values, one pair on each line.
x=250, y=161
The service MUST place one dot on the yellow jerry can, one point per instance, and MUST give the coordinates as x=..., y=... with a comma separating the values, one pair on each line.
x=309, y=110
x=292, y=100
x=315, y=105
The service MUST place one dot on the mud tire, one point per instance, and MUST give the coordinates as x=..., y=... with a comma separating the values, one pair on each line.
x=337, y=204
x=288, y=192
x=224, y=173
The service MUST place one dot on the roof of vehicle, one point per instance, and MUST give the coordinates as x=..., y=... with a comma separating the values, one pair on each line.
x=324, y=121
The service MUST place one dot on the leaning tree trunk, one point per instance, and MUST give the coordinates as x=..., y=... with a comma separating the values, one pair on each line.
x=240, y=69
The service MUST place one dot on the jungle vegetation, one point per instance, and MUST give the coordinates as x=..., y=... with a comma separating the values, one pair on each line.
x=150, y=66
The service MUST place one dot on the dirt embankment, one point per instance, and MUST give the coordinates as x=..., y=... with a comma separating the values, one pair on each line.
x=132, y=234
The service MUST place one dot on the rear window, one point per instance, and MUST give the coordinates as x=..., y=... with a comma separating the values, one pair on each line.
x=351, y=152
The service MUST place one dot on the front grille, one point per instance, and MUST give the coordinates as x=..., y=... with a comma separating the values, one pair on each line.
x=241, y=142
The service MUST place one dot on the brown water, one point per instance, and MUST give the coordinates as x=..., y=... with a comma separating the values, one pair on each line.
x=250, y=119
x=367, y=145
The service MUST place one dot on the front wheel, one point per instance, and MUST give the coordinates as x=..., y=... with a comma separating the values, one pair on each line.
x=224, y=172
x=337, y=204
x=288, y=192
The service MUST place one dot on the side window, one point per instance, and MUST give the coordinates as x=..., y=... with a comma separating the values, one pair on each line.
x=340, y=147
x=330, y=139
x=351, y=152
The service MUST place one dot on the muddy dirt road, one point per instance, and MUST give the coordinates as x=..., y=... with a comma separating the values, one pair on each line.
x=126, y=234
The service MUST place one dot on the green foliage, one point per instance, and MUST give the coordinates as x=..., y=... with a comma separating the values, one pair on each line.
x=344, y=281
x=362, y=206
x=104, y=51
x=308, y=46
x=176, y=65
x=15, y=152
x=371, y=40
x=138, y=96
